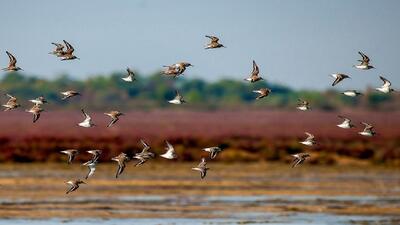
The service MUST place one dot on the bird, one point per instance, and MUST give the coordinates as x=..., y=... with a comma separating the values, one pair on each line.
x=74, y=184
x=346, y=124
x=352, y=93
x=368, y=130
x=91, y=166
x=144, y=155
x=385, y=88
x=303, y=105
x=12, y=65
x=202, y=167
x=69, y=94
x=87, y=122
x=309, y=141
x=181, y=66
x=299, y=158
x=11, y=103
x=68, y=54
x=59, y=49
x=178, y=99
x=213, y=43
x=130, y=76
x=39, y=100
x=95, y=156
x=171, y=71
x=338, y=77
x=170, y=152
x=114, y=116
x=364, y=62
x=35, y=110
x=120, y=159
x=263, y=92
x=71, y=154
x=254, y=77
x=213, y=151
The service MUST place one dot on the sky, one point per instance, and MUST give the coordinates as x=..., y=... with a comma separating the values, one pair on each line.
x=297, y=43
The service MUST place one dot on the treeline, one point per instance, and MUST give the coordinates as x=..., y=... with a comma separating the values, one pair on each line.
x=105, y=92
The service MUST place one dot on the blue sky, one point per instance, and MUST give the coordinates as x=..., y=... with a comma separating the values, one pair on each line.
x=297, y=43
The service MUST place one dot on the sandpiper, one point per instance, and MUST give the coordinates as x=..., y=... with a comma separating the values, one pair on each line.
x=170, y=152
x=303, y=105
x=71, y=154
x=59, y=49
x=96, y=155
x=364, y=62
x=69, y=94
x=130, y=76
x=338, y=77
x=213, y=151
x=68, y=54
x=309, y=141
x=181, y=66
x=385, y=88
x=120, y=159
x=213, y=43
x=39, y=100
x=263, y=92
x=144, y=155
x=12, y=65
x=299, y=158
x=74, y=184
x=346, y=124
x=202, y=167
x=91, y=166
x=368, y=130
x=11, y=103
x=178, y=99
x=35, y=110
x=254, y=77
x=87, y=122
x=114, y=117
x=352, y=93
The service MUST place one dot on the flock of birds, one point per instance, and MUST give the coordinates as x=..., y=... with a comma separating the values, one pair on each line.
x=174, y=71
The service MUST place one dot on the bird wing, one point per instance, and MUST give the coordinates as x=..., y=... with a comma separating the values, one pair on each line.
x=13, y=60
x=309, y=136
x=386, y=82
x=365, y=58
x=146, y=147
x=113, y=120
x=87, y=117
x=256, y=70
x=368, y=126
x=70, y=49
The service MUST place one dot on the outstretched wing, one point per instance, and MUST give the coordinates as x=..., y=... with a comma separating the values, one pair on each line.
x=386, y=82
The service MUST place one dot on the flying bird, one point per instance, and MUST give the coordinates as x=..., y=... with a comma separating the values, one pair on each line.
x=262, y=92
x=213, y=151
x=130, y=76
x=114, y=117
x=120, y=159
x=87, y=122
x=309, y=141
x=346, y=124
x=364, y=62
x=181, y=66
x=255, y=74
x=144, y=155
x=11, y=103
x=59, y=49
x=170, y=152
x=178, y=99
x=39, y=101
x=71, y=154
x=35, y=110
x=68, y=54
x=352, y=93
x=368, y=130
x=202, y=168
x=12, y=65
x=95, y=156
x=299, y=158
x=385, y=88
x=338, y=78
x=303, y=105
x=214, y=42
x=74, y=184
x=92, y=167
x=69, y=94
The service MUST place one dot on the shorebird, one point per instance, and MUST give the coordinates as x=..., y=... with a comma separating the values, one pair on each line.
x=39, y=100
x=299, y=158
x=114, y=117
x=71, y=154
x=120, y=159
x=254, y=77
x=213, y=151
x=178, y=99
x=11, y=103
x=181, y=66
x=368, y=130
x=68, y=54
x=69, y=94
x=87, y=122
x=144, y=155
x=263, y=92
x=303, y=105
x=338, y=77
x=12, y=65
x=171, y=71
x=346, y=124
x=352, y=93
x=364, y=62
x=35, y=110
x=59, y=49
x=214, y=43
x=74, y=184
x=385, y=88
x=91, y=166
x=96, y=155
x=130, y=76
x=309, y=141
x=202, y=167
x=170, y=152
